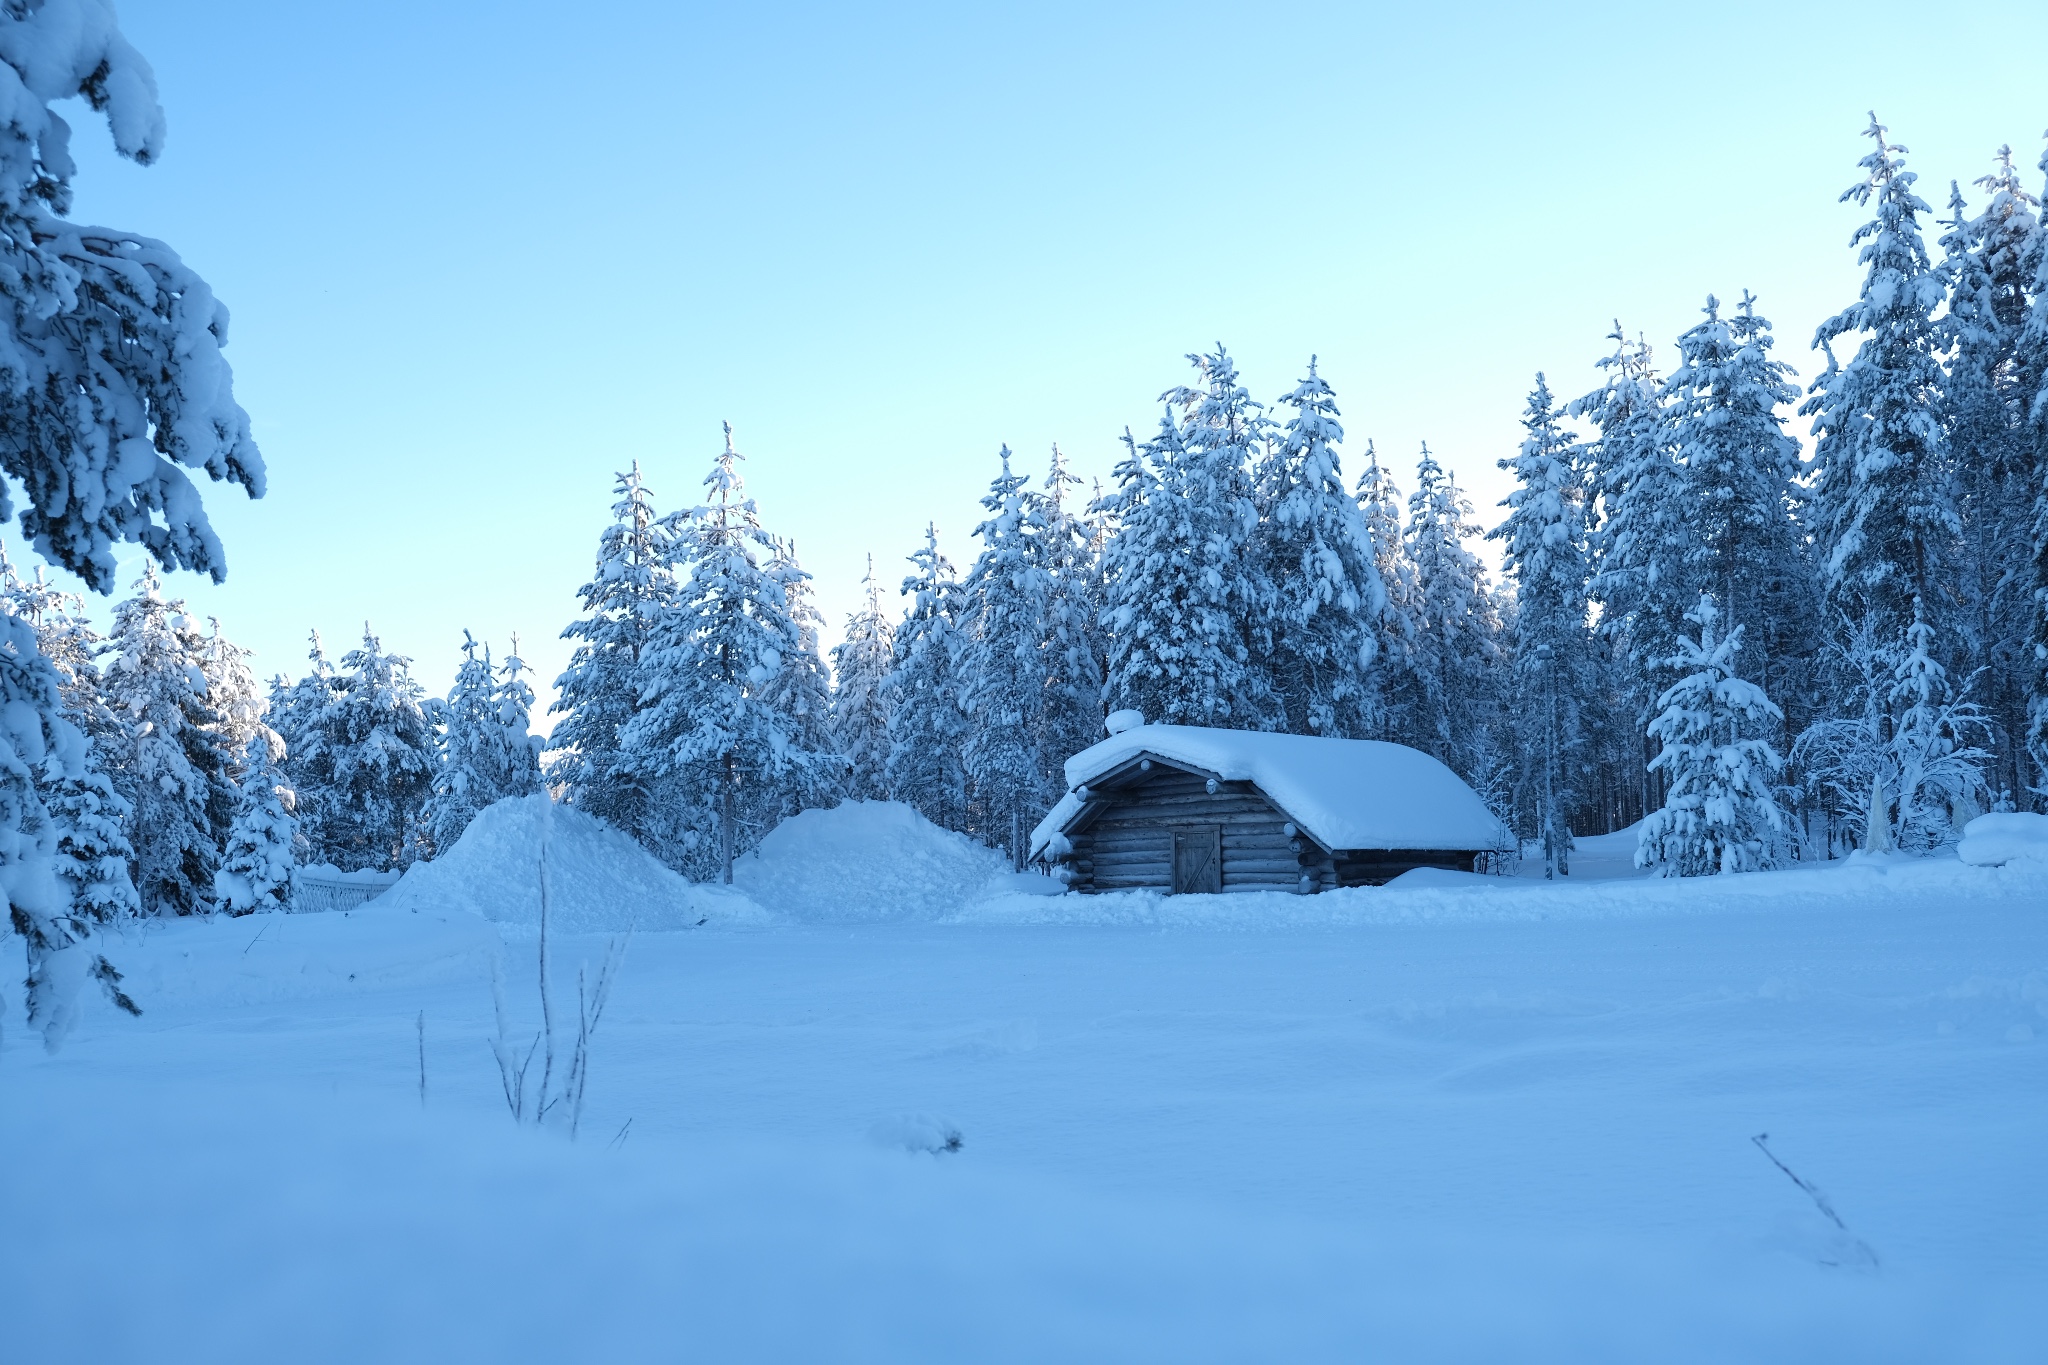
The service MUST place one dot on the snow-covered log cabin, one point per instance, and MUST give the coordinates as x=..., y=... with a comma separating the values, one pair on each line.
x=1181, y=808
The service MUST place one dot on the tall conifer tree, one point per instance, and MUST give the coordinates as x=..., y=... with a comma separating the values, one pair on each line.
x=1885, y=515
x=1316, y=552
x=860, y=699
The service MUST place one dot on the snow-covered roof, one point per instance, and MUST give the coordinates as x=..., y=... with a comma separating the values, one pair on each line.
x=1344, y=793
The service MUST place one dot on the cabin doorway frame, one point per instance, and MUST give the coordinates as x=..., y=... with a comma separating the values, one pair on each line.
x=1197, y=860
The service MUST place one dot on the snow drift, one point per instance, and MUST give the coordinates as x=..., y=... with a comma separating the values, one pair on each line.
x=1994, y=840
x=599, y=879
x=865, y=861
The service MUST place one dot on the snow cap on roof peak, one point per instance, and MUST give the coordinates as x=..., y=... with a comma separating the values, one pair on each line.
x=1120, y=721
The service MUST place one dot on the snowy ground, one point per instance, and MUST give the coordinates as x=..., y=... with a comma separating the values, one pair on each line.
x=1466, y=1120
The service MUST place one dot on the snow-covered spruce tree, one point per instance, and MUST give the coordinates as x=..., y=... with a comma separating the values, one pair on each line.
x=262, y=847
x=375, y=758
x=1720, y=810
x=485, y=753
x=1545, y=557
x=1885, y=521
x=599, y=692
x=67, y=639
x=927, y=727
x=860, y=696
x=468, y=752
x=1393, y=680
x=1639, y=544
x=169, y=757
x=520, y=772
x=1315, y=551
x=713, y=740
x=297, y=710
x=1737, y=474
x=1458, y=628
x=1065, y=547
x=801, y=696
x=62, y=854
x=111, y=377
x=1180, y=594
x=1906, y=770
x=230, y=688
x=1987, y=263
x=1003, y=679
x=2031, y=363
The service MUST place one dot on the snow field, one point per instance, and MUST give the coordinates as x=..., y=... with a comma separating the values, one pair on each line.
x=1473, y=1119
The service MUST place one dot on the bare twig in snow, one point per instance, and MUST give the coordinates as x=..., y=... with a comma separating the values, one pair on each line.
x=1820, y=1201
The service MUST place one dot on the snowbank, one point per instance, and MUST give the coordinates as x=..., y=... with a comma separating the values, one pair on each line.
x=1428, y=896
x=1994, y=840
x=865, y=861
x=599, y=879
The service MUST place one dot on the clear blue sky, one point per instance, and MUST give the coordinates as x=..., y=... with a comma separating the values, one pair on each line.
x=481, y=256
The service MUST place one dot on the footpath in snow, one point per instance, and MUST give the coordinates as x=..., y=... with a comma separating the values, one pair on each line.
x=1451, y=1119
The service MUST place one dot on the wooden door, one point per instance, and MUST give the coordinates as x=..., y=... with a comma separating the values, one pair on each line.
x=1198, y=859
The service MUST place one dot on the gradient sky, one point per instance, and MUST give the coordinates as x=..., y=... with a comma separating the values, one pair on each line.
x=481, y=256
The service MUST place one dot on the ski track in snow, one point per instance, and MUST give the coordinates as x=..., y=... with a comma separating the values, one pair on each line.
x=1481, y=1120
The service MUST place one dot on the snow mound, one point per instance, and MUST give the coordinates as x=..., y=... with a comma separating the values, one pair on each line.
x=865, y=860
x=1994, y=840
x=599, y=879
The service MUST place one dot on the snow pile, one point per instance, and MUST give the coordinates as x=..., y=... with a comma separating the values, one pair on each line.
x=599, y=879
x=1348, y=793
x=1994, y=840
x=863, y=861
x=1432, y=896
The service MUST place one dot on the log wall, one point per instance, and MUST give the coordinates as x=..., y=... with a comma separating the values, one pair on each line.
x=1128, y=844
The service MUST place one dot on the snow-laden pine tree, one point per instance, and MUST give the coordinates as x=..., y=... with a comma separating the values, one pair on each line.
x=1458, y=629
x=1066, y=548
x=860, y=697
x=63, y=857
x=67, y=639
x=714, y=741
x=1905, y=770
x=1394, y=684
x=1987, y=263
x=1181, y=596
x=1720, y=811
x=1003, y=678
x=262, y=848
x=297, y=709
x=168, y=758
x=1884, y=514
x=231, y=687
x=1315, y=551
x=599, y=692
x=1544, y=556
x=2031, y=364
x=374, y=757
x=485, y=753
x=927, y=727
x=466, y=754
x=801, y=696
x=1737, y=475
x=111, y=378
x=1640, y=544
